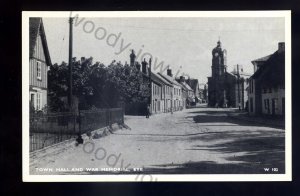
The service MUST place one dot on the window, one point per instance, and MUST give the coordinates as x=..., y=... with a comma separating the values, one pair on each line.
x=251, y=104
x=38, y=70
x=264, y=90
x=32, y=100
x=265, y=103
x=275, y=104
x=153, y=105
x=38, y=101
x=158, y=105
x=267, y=106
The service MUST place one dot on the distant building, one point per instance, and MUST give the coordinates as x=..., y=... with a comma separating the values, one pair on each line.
x=241, y=86
x=224, y=89
x=166, y=93
x=194, y=84
x=161, y=88
x=205, y=93
x=267, y=85
x=176, y=91
x=39, y=61
x=188, y=95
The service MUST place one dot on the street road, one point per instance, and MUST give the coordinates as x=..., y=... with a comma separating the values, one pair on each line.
x=200, y=141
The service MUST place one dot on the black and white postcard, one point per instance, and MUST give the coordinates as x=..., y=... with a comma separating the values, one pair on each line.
x=156, y=96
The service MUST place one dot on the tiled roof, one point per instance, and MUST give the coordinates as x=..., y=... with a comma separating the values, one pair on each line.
x=192, y=83
x=170, y=79
x=186, y=86
x=272, y=71
x=262, y=59
x=36, y=27
x=163, y=80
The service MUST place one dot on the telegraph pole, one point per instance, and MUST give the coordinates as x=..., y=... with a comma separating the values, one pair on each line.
x=150, y=100
x=70, y=100
x=238, y=83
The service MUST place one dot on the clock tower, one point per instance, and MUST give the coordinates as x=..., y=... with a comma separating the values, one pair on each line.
x=218, y=61
x=216, y=83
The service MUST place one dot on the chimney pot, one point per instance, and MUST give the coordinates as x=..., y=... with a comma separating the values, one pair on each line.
x=144, y=67
x=281, y=47
x=169, y=72
x=182, y=79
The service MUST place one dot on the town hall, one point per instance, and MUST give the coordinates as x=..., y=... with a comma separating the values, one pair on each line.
x=225, y=89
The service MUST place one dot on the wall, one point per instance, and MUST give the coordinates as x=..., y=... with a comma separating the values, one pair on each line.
x=275, y=94
x=177, y=97
x=156, y=98
x=251, y=95
x=43, y=97
x=38, y=55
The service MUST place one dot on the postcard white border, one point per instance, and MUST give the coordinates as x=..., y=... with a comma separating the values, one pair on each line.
x=132, y=178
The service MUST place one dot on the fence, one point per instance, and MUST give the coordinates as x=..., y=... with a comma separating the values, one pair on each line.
x=49, y=129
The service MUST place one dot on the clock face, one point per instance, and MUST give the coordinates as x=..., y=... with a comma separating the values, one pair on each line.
x=216, y=54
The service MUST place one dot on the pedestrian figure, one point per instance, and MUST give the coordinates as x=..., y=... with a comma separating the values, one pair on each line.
x=148, y=111
x=79, y=140
x=217, y=105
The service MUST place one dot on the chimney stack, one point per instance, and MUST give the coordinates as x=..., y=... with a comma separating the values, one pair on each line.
x=82, y=59
x=281, y=47
x=132, y=58
x=182, y=79
x=169, y=72
x=144, y=66
x=138, y=66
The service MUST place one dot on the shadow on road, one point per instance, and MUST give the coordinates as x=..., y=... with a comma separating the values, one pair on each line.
x=221, y=116
x=245, y=154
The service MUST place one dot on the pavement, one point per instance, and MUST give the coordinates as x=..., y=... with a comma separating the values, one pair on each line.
x=193, y=141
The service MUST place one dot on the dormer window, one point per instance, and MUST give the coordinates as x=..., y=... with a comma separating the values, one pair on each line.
x=39, y=70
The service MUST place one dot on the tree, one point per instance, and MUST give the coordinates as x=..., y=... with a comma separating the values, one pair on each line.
x=97, y=85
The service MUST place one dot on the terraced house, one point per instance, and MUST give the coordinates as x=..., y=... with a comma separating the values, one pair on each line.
x=176, y=91
x=166, y=97
x=188, y=95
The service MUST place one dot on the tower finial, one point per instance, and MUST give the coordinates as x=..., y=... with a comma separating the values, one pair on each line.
x=219, y=42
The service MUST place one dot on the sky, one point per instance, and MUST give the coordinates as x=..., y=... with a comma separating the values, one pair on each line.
x=183, y=43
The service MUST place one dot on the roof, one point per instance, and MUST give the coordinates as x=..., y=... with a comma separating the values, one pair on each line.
x=36, y=27
x=169, y=79
x=193, y=83
x=262, y=59
x=186, y=86
x=272, y=71
x=163, y=80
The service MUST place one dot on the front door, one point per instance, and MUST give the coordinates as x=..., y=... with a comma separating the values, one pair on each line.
x=273, y=106
x=32, y=100
x=283, y=106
